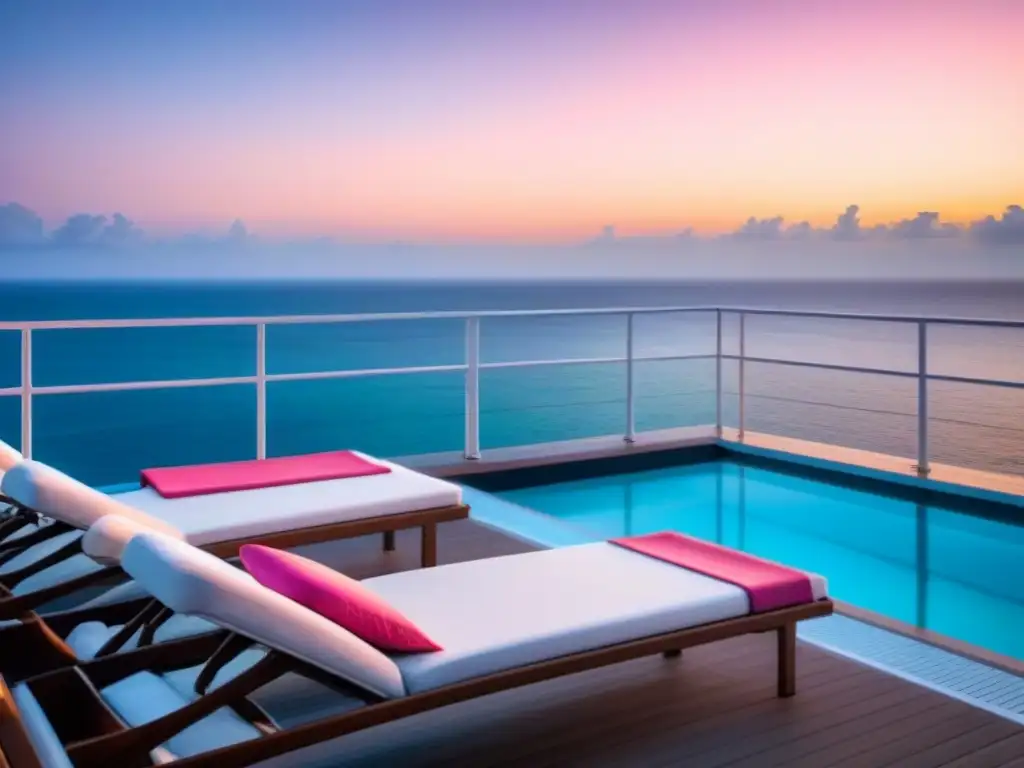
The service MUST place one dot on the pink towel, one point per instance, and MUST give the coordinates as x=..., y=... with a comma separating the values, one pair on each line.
x=770, y=586
x=199, y=479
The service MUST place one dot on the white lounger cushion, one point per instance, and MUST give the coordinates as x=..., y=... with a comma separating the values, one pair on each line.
x=195, y=583
x=144, y=697
x=53, y=494
x=45, y=742
x=38, y=551
x=71, y=568
x=184, y=680
x=220, y=517
x=138, y=699
x=87, y=638
x=505, y=612
x=25, y=530
x=122, y=593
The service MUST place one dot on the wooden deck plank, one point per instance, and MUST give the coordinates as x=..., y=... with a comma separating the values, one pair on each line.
x=900, y=745
x=965, y=745
x=807, y=740
x=994, y=754
x=715, y=706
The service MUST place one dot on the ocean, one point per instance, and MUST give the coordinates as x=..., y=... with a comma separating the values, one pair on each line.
x=106, y=438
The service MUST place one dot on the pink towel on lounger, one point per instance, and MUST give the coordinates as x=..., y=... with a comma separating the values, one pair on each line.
x=200, y=479
x=770, y=586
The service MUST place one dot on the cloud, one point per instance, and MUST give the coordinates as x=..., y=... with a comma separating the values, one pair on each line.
x=1008, y=229
x=760, y=229
x=238, y=233
x=801, y=231
x=90, y=229
x=925, y=225
x=847, y=226
x=19, y=226
x=610, y=237
x=773, y=229
x=80, y=229
x=121, y=231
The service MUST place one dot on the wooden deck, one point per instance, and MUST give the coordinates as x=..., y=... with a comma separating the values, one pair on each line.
x=715, y=706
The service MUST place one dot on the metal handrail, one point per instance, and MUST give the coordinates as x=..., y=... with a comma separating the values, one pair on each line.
x=186, y=322
x=473, y=364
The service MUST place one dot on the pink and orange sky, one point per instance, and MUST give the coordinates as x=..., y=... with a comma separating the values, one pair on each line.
x=525, y=120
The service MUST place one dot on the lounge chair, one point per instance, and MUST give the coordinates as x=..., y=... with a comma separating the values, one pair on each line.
x=282, y=516
x=502, y=623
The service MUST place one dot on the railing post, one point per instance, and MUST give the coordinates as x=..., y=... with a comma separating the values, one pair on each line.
x=718, y=373
x=922, y=466
x=742, y=373
x=472, y=446
x=261, y=390
x=630, y=404
x=26, y=393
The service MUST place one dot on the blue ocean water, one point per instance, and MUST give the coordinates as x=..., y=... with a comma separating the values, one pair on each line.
x=928, y=566
x=107, y=437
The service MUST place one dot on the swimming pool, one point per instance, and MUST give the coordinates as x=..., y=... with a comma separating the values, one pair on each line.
x=947, y=571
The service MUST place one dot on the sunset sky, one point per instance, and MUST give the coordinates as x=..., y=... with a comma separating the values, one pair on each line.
x=514, y=121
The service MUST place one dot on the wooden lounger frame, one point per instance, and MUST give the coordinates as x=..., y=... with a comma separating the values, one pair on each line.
x=36, y=645
x=23, y=606
x=95, y=737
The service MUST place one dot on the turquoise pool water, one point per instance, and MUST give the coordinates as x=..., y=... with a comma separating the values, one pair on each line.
x=950, y=572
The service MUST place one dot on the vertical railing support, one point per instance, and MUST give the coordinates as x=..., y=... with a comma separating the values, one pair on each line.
x=718, y=373
x=261, y=390
x=630, y=436
x=922, y=466
x=742, y=374
x=472, y=446
x=26, y=393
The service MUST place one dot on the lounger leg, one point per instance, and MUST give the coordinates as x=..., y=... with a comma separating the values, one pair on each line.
x=787, y=660
x=389, y=541
x=675, y=653
x=428, y=545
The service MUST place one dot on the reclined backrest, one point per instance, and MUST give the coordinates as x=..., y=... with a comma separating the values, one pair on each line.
x=54, y=494
x=192, y=582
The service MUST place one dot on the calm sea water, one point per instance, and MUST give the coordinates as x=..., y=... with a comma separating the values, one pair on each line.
x=107, y=437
